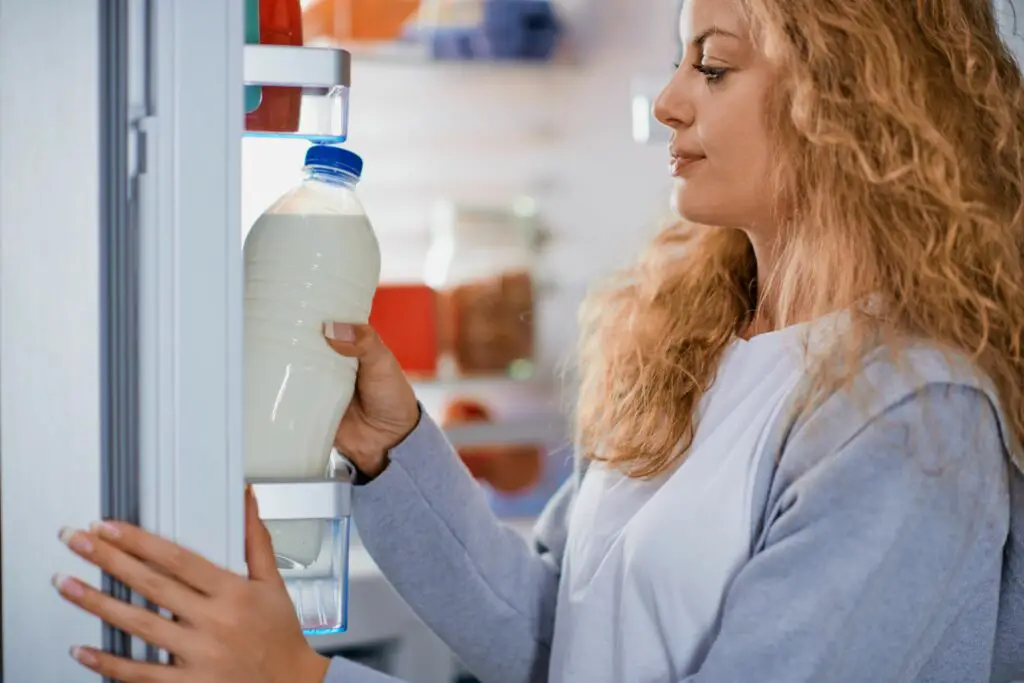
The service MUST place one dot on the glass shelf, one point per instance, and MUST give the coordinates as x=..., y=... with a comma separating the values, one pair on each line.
x=418, y=53
x=531, y=410
x=520, y=431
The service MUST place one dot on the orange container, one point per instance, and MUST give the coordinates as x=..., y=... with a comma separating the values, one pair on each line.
x=280, y=24
x=509, y=469
x=341, y=20
x=405, y=317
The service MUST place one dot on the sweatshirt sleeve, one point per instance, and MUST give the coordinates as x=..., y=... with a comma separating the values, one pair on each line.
x=488, y=593
x=346, y=671
x=872, y=548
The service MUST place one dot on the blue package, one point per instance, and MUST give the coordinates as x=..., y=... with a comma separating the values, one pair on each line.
x=521, y=29
x=511, y=30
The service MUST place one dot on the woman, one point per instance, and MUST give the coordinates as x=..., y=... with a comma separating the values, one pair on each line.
x=802, y=425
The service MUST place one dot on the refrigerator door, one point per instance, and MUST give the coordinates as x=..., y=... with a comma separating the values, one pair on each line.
x=120, y=297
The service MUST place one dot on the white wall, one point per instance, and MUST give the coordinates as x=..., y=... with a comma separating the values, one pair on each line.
x=482, y=133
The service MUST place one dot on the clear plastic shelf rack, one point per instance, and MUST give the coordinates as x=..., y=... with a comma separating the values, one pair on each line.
x=319, y=590
x=324, y=76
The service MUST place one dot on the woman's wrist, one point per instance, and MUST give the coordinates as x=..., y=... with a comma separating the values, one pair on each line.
x=368, y=470
x=370, y=464
x=312, y=668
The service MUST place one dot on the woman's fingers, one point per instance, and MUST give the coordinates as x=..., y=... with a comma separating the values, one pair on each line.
x=259, y=549
x=170, y=558
x=354, y=341
x=126, y=670
x=149, y=626
x=147, y=581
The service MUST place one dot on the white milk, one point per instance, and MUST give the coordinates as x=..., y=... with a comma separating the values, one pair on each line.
x=311, y=258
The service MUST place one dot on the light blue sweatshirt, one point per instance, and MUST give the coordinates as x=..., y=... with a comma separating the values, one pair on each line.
x=871, y=563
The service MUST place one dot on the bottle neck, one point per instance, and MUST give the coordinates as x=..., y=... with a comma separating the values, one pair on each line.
x=329, y=175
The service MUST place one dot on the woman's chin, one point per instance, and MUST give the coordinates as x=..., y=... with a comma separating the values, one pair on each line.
x=698, y=207
x=690, y=208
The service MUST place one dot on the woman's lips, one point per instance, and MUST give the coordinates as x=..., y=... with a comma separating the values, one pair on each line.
x=678, y=165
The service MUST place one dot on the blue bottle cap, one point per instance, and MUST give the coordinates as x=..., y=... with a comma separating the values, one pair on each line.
x=337, y=158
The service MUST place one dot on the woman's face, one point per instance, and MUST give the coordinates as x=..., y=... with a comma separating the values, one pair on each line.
x=715, y=106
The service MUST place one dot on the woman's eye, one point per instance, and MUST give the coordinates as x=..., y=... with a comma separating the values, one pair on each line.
x=713, y=74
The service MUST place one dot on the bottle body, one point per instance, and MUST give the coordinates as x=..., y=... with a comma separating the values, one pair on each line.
x=311, y=258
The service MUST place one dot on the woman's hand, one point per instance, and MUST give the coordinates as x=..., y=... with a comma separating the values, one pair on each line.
x=228, y=628
x=383, y=409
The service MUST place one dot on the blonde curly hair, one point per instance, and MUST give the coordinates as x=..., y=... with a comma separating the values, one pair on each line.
x=900, y=136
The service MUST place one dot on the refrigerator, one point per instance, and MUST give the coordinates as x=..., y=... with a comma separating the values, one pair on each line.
x=121, y=124
x=121, y=286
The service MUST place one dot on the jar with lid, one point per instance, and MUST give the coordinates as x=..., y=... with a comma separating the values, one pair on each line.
x=481, y=264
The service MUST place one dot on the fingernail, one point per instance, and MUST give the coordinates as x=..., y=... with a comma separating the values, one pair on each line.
x=105, y=529
x=83, y=656
x=67, y=585
x=340, y=332
x=75, y=541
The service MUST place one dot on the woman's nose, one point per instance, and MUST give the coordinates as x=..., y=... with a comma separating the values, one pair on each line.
x=672, y=107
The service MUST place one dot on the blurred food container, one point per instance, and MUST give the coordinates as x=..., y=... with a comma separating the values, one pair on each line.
x=507, y=468
x=405, y=317
x=481, y=263
x=488, y=29
x=340, y=21
x=280, y=23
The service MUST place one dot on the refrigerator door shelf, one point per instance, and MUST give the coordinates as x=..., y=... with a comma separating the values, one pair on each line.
x=320, y=79
x=299, y=499
x=302, y=67
x=319, y=590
